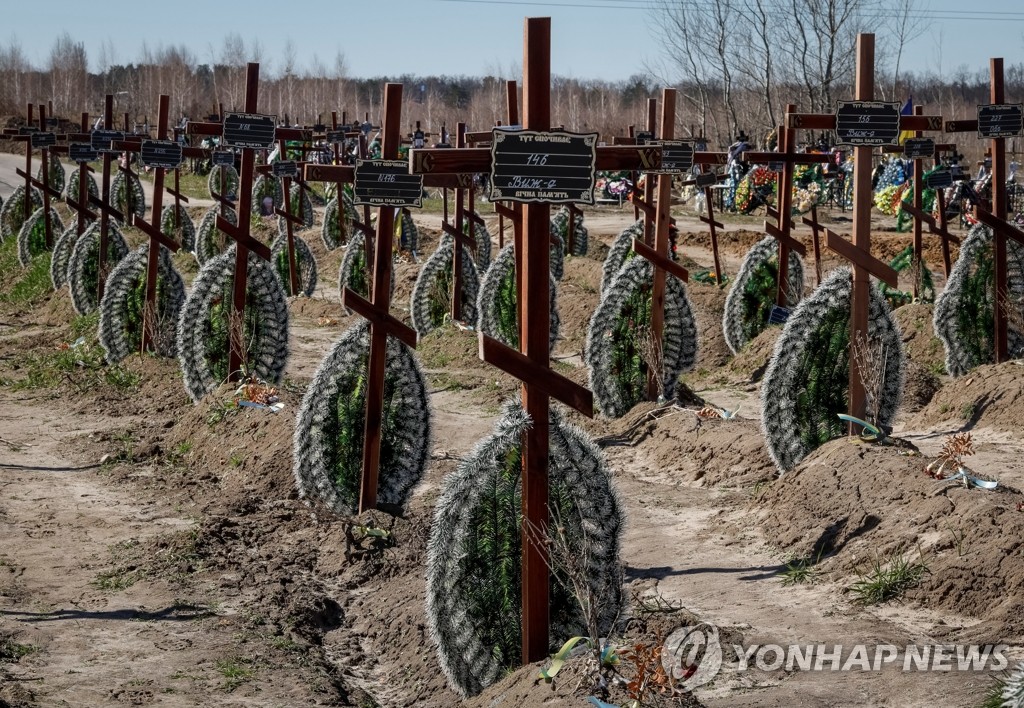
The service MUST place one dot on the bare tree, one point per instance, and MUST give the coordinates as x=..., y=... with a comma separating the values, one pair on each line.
x=69, y=73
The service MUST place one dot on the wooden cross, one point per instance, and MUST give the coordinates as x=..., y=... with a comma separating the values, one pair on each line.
x=26, y=137
x=80, y=203
x=996, y=219
x=106, y=209
x=937, y=226
x=531, y=363
x=44, y=184
x=377, y=311
x=156, y=237
x=783, y=228
x=858, y=253
x=240, y=233
x=706, y=160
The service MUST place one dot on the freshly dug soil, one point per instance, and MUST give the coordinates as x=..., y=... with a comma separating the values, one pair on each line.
x=989, y=396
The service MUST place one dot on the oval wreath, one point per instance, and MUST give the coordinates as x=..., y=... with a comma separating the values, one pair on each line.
x=964, y=316
x=497, y=305
x=124, y=297
x=304, y=261
x=618, y=341
x=12, y=214
x=335, y=232
x=84, y=266
x=806, y=383
x=230, y=181
x=71, y=193
x=298, y=198
x=122, y=188
x=328, y=441
x=266, y=186
x=431, y=296
x=353, y=272
x=205, y=322
x=619, y=253
x=32, y=237
x=560, y=226
x=474, y=556
x=211, y=241
x=753, y=293
x=57, y=175
x=185, y=231
x=62, y=256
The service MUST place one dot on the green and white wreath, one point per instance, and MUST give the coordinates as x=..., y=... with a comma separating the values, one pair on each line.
x=329, y=428
x=620, y=251
x=474, y=555
x=337, y=232
x=304, y=261
x=211, y=241
x=964, y=317
x=267, y=186
x=560, y=227
x=62, y=255
x=12, y=214
x=298, y=198
x=432, y=294
x=482, y=237
x=184, y=233
x=71, y=193
x=806, y=384
x=205, y=322
x=497, y=305
x=753, y=293
x=354, y=273
x=124, y=301
x=57, y=174
x=32, y=237
x=619, y=347
x=123, y=189
x=230, y=181
x=84, y=266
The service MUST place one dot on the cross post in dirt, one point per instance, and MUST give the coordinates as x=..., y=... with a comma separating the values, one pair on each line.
x=376, y=310
x=997, y=121
x=863, y=123
x=249, y=132
x=25, y=135
x=782, y=230
x=531, y=363
x=286, y=171
x=160, y=155
x=103, y=203
x=706, y=181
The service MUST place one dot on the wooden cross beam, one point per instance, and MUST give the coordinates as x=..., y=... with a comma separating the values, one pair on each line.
x=103, y=203
x=869, y=131
x=26, y=137
x=531, y=364
x=782, y=230
x=988, y=123
x=81, y=206
x=816, y=231
x=377, y=311
x=156, y=237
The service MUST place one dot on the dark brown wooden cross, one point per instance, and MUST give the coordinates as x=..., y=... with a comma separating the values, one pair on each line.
x=240, y=233
x=376, y=311
x=706, y=160
x=80, y=202
x=103, y=203
x=782, y=230
x=26, y=137
x=996, y=218
x=858, y=253
x=43, y=185
x=531, y=363
x=936, y=226
x=156, y=237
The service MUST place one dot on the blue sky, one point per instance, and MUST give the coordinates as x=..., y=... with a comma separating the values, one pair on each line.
x=591, y=38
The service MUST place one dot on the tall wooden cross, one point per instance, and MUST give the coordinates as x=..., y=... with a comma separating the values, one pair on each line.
x=531, y=363
x=376, y=311
x=870, y=121
x=240, y=233
x=997, y=121
x=705, y=181
x=43, y=140
x=103, y=202
x=82, y=153
x=166, y=150
x=25, y=135
x=782, y=230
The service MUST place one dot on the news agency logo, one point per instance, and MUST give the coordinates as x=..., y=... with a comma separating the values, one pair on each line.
x=694, y=656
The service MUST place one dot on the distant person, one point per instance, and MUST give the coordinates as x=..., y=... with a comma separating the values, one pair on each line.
x=267, y=206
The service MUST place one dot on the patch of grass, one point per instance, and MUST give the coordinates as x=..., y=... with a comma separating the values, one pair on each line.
x=993, y=697
x=801, y=570
x=236, y=670
x=967, y=410
x=236, y=460
x=221, y=411
x=82, y=366
x=116, y=579
x=11, y=651
x=888, y=580
x=23, y=286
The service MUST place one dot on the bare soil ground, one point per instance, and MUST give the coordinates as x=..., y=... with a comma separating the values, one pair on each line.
x=154, y=552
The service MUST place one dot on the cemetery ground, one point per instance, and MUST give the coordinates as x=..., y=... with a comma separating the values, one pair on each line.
x=153, y=551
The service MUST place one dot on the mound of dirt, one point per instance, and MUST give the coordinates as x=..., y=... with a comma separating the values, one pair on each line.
x=847, y=506
x=752, y=361
x=735, y=243
x=919, y=387
x=578, y=296
x=919, y=341
x=674, y=445
x=989, y=396
x=708, y=306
